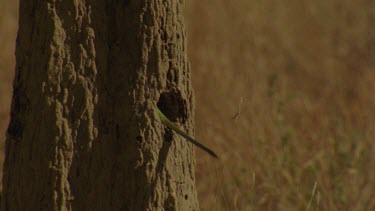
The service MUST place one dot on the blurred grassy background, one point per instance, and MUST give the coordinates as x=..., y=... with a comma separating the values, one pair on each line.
x=284, y=92
x=8, y=33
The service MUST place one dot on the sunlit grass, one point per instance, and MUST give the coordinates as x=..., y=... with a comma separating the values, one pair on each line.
x=305, y=128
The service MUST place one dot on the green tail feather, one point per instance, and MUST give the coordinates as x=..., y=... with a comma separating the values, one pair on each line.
x=169, y=124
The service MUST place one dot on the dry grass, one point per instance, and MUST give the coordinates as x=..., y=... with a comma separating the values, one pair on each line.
x=300, y=77
x=8, y=29
x=306, y=74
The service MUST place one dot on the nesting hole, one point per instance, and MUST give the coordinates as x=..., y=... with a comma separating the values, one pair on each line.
x=173, y=106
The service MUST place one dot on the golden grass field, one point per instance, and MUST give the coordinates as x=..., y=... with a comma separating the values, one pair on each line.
x=284, y=93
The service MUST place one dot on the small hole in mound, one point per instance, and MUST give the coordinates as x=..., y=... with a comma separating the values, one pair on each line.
x=173, y=106
x=168, y=135
x=139, y=139
x=186, y=197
